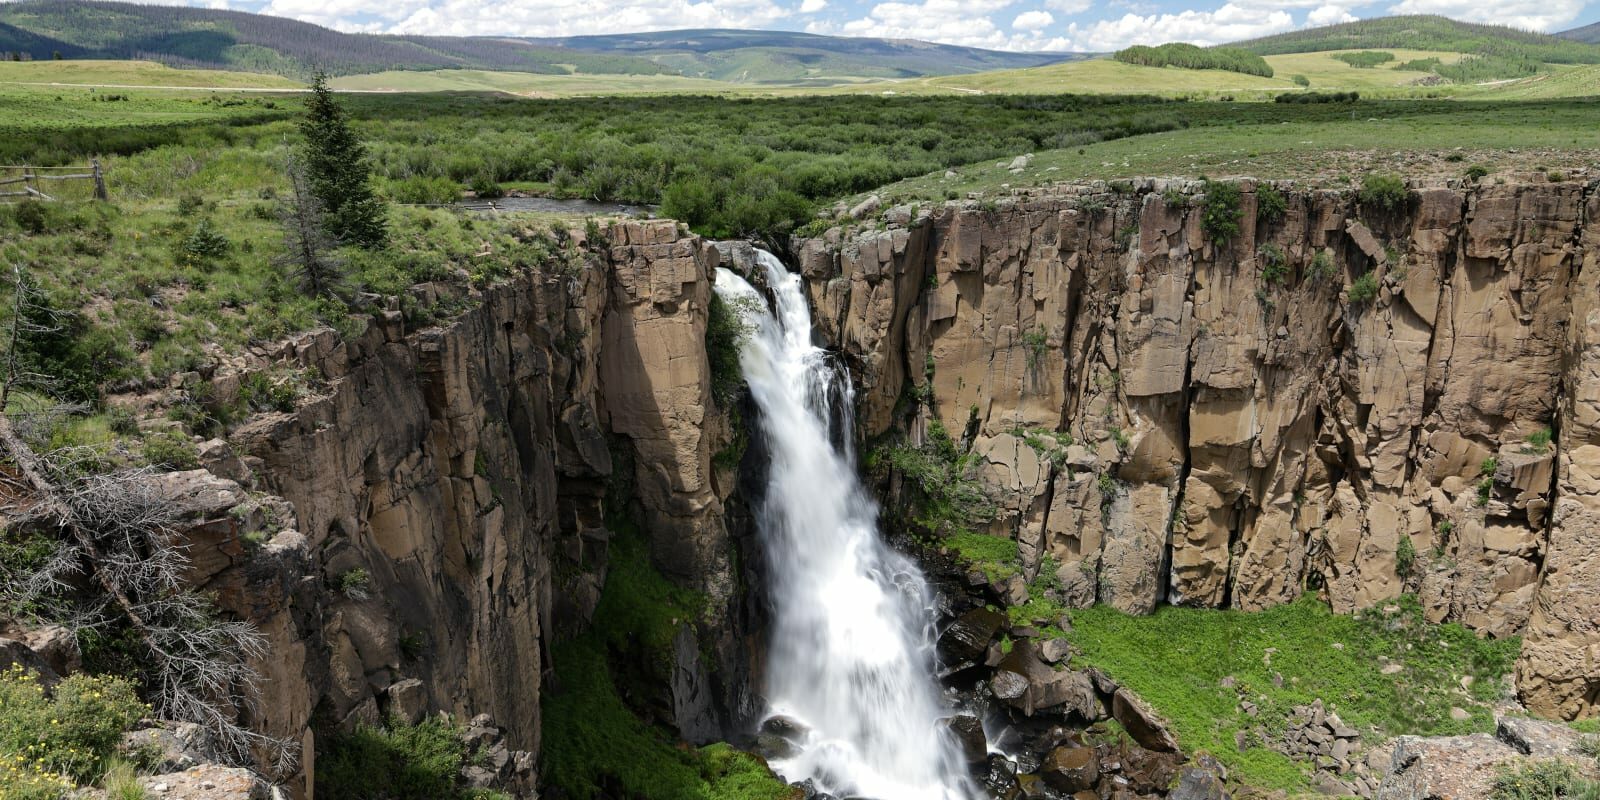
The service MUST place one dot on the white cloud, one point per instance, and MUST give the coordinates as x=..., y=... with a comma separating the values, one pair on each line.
x=1329, y=15
x=1230, y=23
x=1068, y=6
x=1538, y=15
x=1032, y=21
x=573, y=17
x=951, y=21
x=813, y=6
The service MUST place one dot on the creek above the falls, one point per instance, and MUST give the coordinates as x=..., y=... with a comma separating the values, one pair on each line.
x=850, y=671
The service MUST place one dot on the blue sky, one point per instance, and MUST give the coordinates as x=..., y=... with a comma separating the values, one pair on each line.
x=1000, y=24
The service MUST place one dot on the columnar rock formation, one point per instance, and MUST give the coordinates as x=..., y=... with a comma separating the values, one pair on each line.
x=447, y=495
x=1243, y=428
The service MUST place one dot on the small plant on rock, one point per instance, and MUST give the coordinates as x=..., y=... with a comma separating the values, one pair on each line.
x=1271, y=205
x=1363, y=290
x=1220, y=215
x=1387, y=192
x=356, y=584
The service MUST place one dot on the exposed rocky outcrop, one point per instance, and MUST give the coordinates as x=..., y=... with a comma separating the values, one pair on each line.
x=414, y=538
x=1243, y=430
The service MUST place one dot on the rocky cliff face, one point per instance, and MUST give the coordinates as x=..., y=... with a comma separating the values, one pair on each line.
x=1245, y=428
x=441, y=511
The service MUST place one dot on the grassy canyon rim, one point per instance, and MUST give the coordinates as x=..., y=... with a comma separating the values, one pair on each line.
x=1241, y=417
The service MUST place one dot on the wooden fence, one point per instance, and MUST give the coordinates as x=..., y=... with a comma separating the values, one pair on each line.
x=45, y=183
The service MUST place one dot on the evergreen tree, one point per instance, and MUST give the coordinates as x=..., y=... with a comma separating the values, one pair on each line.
x=337, y=171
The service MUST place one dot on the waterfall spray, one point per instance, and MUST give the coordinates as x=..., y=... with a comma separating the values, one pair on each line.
x=851, y=655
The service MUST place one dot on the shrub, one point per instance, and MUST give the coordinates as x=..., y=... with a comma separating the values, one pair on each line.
x=1476, y=172
x=1363, y=290
x=1301, y=81
x=1322, y=266
x=1405, y=557
x=73, y=731
x=204, y=245
x=1220, y=215
x=1539, y=441
x=1543, y=780
x=1387, y=192
x=356, y=584
x=725, y=332
x=1274, y=265
x=170, y=449
x=1271, y=205
x=394, y=762
x=434, y=191
x=486, y=187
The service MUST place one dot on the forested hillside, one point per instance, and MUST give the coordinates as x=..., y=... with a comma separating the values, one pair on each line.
x=1428, y=32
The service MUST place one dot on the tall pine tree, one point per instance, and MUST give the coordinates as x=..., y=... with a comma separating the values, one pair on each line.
x=336, y=168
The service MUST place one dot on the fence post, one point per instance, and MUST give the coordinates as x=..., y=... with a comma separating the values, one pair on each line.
x=99, y=180
x=27, y=182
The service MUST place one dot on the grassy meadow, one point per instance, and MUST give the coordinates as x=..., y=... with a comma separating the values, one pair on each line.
x=134, y=74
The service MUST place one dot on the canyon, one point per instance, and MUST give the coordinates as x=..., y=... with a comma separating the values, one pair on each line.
x=1237, y=429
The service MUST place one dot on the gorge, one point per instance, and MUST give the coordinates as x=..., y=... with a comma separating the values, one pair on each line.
x=1158, y=411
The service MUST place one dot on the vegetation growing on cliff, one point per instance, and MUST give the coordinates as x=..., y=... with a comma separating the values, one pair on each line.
x=1289, y=656
x=52, y=742
x=397, y=762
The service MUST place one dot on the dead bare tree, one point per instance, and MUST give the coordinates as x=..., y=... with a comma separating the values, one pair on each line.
x=115, y=529
x=308, y=249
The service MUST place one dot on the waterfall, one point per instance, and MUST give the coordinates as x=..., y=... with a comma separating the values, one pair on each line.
x=851, y=657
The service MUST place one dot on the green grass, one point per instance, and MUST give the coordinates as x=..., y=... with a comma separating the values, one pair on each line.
x=530, y=84
x=135, y=73
x=1177, y=659
x=1332, y=145
x=597, y=731
x=396, y=762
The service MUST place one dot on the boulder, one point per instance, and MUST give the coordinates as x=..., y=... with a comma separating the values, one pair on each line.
x=968, y=637
x=1142, y=722
x=1199, y=783
x=967, y=732
x=171, y=746
x=1071, y=769
x=1537, y=737
x=207, y=782
x=1453, y=767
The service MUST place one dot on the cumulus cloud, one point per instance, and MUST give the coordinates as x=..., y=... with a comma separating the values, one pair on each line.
x=1329, y=15
x=1032, y=20
x=813, y=6
x=576, y=17
x=1068, y=6
x=1538, y=15
x=1229, y=23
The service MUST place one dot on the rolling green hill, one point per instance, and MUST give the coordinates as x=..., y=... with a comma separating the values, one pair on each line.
x=787, y=57
x=209, y=38
x=183, y=36
x=1428, y=32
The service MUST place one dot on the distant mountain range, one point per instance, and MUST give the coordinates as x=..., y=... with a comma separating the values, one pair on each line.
x=1587, y=33
x=783, y=56
x=198, y=37
x=184, y=36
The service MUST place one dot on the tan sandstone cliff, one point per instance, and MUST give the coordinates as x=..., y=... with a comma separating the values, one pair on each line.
x=463, y=467
x=1243, y=432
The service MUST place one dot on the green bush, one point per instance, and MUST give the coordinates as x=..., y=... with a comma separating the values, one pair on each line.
x=1363, y=290
x=1220, y=214
x=725, y=331
x=203, y=246
x=1543, y=780
x=425, y=191
x=486, y=187
x=1476, y=172
x=72, y=732
x=394, y=762
x=1387, y=192
x=170, y=449
x=1271, y=205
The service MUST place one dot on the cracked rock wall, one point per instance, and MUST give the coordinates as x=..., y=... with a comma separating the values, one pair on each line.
x=1242, y=431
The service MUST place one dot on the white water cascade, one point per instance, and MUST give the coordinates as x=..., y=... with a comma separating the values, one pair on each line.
x=851, y=655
